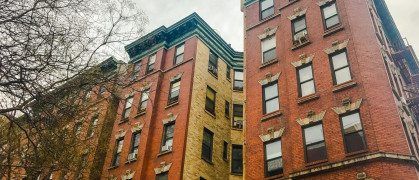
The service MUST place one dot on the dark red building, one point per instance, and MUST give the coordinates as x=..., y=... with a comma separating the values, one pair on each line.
x=326, y=88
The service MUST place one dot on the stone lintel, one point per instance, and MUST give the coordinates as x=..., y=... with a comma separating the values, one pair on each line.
x=272, y=135
x=268, y=32
x=336, y=46
x=348, y=108
x=269, y=78
x=303, y=60
x=137, y=127
x=311, y=119
x=298, y=12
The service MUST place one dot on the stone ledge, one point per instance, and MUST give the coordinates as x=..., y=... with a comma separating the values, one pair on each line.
x=164, y=153
x=301, y=45
x=140, y=114
x=286, y=5
x=172, y=104
x=307, y=98
x=333, y=30
x=131, y=161
x=268, y=63
x=271, y=115
x=209, y=113
x=344, y=86
x=317, y=162
x=263, y=21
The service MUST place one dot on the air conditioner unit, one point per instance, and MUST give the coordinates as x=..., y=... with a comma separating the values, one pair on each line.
x=300, y=38
x=213, y=69
x=166, y=148
x=132, y=156
x=238, y=123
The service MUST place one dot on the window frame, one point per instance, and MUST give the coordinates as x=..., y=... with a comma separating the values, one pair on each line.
x=225, y=150
x=210, y=63
x=207, y=99
x=149, y=70
x=293, y=27
x=132, y=146
x=263, y=52
x=172, y=100
x=323, y=17
x=264, y=100
x=127, y=109
x=116, y=153
x=228, y=72
x=235, y=80
x=343, y=133
x=93, y=124
x=233, y=160
x=162, y=174
x=164, y=138
x=136, y=72
x=176, y=56
x=262, y=10
x=242, y=116
x=211, y=145
x=334, y=70
x=312, y=144
x=281, y=171
x=300, y=90
x=227, y=109
x=147, y=91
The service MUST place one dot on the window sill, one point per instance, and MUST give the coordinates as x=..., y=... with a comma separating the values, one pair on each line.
x=344, y=86
x=123, y=121
x=356, y=153
x=214, y=75
x=236, y=90
x=209, y=162
x=172, y=104
x=263, y=21
x=286, y=5
x=333, y=30
x=268, y=63
x=226, y=160
x=271, y=115
x=131, y=161
x=212, y=115
x=236, y=174
x=236, y=129
x=140, y=114
x=317, y=162
x=228, y=117
x=113, y=167
x=228, y=79
x=275, y=177
x=307, y=98
x=164, y=153
x=298, y=46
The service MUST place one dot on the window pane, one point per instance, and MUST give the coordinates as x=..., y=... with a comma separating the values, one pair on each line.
x=126, y=112
x=152, y=59
x=271, y=91
x=313, y=134
x=144, y=96
x=266, y=4
x=268, y=12
x=143, y=105
x=307, y=88
x=272, y=105
x=213, y=58
x=268, y=43
x=274, y=165
x=351, y=123
x=238, y=85
x=207, y=138
x=210, y=94
x=238, y=110
x=269, y=55
x=180, y=49
x=179, y=59
x=339, y=60
x=329, y=11
x=343, y=75
x=120, y=143
x=169, y=142
x=237, y=159
x=332, y=21
x=169, y=131
x=137, y=67
x=355, y=142
x=316, y=152
x=305, y=73
x=238, y=75
x=137, y=139
x=162, y=176
x=273, y=150
x=128, y=103
x=299, y=25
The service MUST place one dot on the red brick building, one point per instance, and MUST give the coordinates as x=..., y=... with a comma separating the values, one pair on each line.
x=326, y=88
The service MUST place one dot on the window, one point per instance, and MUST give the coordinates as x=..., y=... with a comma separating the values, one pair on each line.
x=174, y=91
x=102, y=90
x=238, y=80
x=238, y=116
x=210, y=100
x=268, y=49
x=92, y=127
x=201, y=178
x=168, y=133
x=136, y=71
x=207, y=145
x=353, y=133
x=179, y=53
x=143, y=102
x=213, y=65
x=330, y=16
x=117, y=153
x=315, y=147
x=228, y=72
x=273, y=158
x=266, y=8
x=135, y=142
x=237, y=159
x=151, y=62
x=340, y=67
x=86, y=97
x=162, y=176
x=225, y=150
x=306, y=81
x=227, y=109
x=77, y=127
x=270, y=98
x=299, y=30
x=127, y=108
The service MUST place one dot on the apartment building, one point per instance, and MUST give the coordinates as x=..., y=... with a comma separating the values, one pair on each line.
x=326, y=89
x=181, y=114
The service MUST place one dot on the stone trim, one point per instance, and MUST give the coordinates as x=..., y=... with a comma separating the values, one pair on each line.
x=146, y=85
x=311, y=118
x=137, y=127
x=324, y=2
x=347, y=106
x=384, y=156
x=171, y=118
x=298, y=12
x=163, y=168
x=268, y=33
x=176, y=77
x=269, y=78
x=128, y=175
x=272, y=135
x=112, y=177
x=336, y=46
x=121, y=133
x=130, y=93
x=303, y=60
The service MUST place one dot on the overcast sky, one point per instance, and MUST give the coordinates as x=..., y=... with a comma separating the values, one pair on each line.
x=227, y=19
